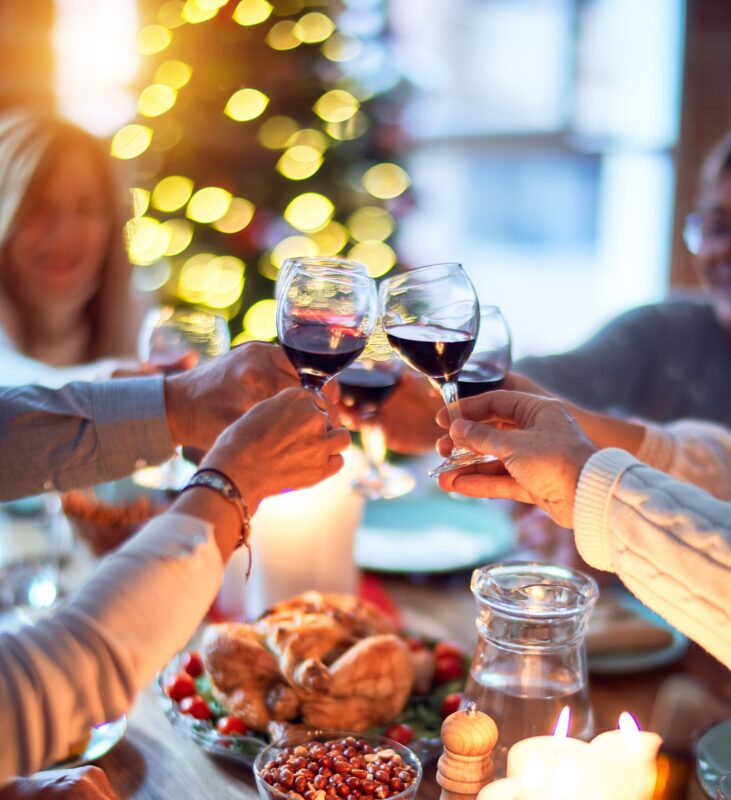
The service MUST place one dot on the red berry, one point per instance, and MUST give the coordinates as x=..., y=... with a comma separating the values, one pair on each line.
x=450, y=704
x=445, y=648
x=414, y=643
x=232, y=725
x=448, y=668
x=180, y=686
x=195, y=706
x=401, y=733
x=193, y=664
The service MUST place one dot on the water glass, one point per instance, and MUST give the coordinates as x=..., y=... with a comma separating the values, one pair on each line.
x=723, y=791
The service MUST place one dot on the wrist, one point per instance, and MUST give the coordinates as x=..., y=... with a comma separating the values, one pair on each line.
x=212, y=507
x=175, y=402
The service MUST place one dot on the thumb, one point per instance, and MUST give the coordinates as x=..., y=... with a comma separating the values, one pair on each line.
x=478, y=437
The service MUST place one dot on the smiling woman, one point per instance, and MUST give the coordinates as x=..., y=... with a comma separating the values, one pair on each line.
x=65, y=296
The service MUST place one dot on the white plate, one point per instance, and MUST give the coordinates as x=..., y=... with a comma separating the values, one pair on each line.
x=713, y=756
x=103, y=738
x=432, y=533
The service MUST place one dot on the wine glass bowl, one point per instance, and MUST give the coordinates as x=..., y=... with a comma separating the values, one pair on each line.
x=490, y=359
x=312, y=263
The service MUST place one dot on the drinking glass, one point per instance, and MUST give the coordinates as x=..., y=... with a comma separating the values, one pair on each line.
x=490, y=361
x=311, y=263
x=723, y=792
x=431, y=317
x=168, y=335
x=324, y=318
x=364, y=387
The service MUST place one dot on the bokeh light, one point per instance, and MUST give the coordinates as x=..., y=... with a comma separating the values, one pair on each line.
x=291, y=247
x=147, y=240
x=131, y=141
x=281, y=36
x=173, y=73
x=156, y=99
x=276, y=132
x=386, y=181
x=331, y=239
x=313, y=27
x=172, y=193
x=370, y=223
x=299, y=162
x=378, y=257
x=351, y=129
x=342, y=47
x=237, y=217
x=309, y=211
x=309, y=137
x=246, y=104
x=196, y=12
x=140, y=201
x=252, y=12
x=336, y=105
x=170, y=13
x=213, y=281
x=181, y=235
x=260, y=321
x=150, y=278
x=153, y=39
x=208, y=204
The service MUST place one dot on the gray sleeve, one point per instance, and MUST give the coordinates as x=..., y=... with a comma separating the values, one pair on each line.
x=607, y=372
x=81, y=434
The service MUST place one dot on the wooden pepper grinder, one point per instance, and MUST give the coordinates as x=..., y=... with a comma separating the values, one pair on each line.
x=468, y=737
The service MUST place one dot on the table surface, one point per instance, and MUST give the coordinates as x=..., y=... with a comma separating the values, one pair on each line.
x=154, y=761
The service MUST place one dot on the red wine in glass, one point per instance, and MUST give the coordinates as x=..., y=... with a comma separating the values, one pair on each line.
x=365, y=390
x=319, y=351
x=436, y=352
x=477, y=378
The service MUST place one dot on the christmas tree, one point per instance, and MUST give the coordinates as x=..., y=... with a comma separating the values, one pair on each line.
x=265, y=130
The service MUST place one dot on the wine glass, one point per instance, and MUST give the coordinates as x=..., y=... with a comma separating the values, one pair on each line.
x=364, y=387
x=324, y=318
x=168, y=335
x=431, y=316
x=315, y=263
x=491, y=358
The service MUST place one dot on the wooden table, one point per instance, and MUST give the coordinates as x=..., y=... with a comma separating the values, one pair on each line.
x=154, y=761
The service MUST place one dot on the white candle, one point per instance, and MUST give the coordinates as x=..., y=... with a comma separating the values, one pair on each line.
x=627, y=760
x=505, y=789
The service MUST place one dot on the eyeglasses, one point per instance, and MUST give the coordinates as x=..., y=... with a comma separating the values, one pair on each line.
x=700, y=229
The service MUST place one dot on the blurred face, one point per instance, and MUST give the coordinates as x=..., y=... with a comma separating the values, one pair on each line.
x=54, y=255
x=713, y=261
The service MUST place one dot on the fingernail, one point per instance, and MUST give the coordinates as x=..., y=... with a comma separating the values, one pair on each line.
x=462, y=428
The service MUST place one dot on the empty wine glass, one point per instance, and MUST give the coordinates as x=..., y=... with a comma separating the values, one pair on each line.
x=490, y=360
x=364, y=387
x=431, y=316
x=167, y=336
x=324, y=318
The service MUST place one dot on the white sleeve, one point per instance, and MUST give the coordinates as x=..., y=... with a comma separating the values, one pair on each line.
x=85, y=664
x=669, y=542
x=692, y=450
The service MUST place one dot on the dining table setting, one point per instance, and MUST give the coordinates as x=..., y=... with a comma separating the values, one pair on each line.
x=380, y=637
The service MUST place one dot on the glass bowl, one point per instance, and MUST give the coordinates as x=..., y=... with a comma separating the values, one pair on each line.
x=381, y=743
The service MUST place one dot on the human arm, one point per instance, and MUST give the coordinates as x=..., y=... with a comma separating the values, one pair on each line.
x=669, y=542
x=85, y=664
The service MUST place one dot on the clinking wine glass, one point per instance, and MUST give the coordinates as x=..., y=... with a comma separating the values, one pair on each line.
x=364, y=387
x=431, y=316
x=324, y=318
x=169, y=335
x=311, y=264
x=491, y=358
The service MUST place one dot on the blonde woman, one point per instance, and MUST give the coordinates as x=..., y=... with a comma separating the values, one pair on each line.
x=67, y=310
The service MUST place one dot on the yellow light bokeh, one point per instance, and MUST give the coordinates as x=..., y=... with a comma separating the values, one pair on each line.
x=260, y=321
x=147, y=240
x=174, y=73
x=281, y=36
x=309, y=137
x=336, y=105
x=276, y=132
x=181, y=235
x=386, y=181
x=242, y=338
x=140, y=201
x=370, y=224
x=156, y=99
x=309, y=211
x=331, y=239
x=152, y=39
x=131, y=141
x=214, y=281
x=208, y=5
x=342, y=47
x=208, y=204
x=351, y=129
x=378, y=257
x=194, y=13
x=168, y=133
x=172, y=193
x=252, y=12
x=246, y=104
x=299, y=162
x=169, y=14
x=238, y=216
x=152, y=277
x=313, y=27
x=291, y=247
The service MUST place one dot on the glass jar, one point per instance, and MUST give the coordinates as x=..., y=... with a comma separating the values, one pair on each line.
x=530, y=659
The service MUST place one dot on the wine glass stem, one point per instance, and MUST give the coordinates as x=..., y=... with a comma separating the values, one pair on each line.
x=374, y=446
x=450, y=395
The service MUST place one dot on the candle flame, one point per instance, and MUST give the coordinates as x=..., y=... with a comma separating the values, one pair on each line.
x=628, y=724
x=562, y=725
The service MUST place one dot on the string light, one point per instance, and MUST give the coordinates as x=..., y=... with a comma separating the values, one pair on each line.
x=246, y=104
x=131, y=141
x=252, y=12
x=309, y=211
x=208, y=204
x=172, y=193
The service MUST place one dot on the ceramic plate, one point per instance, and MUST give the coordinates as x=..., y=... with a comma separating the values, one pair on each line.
x=435, y=533
x=103, y=738
x=713, y=756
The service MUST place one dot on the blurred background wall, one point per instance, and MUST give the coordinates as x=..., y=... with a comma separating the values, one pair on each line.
x=552, y=146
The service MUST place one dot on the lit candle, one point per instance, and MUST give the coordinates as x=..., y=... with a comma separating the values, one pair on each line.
x=505, y=789
x=627, y=760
